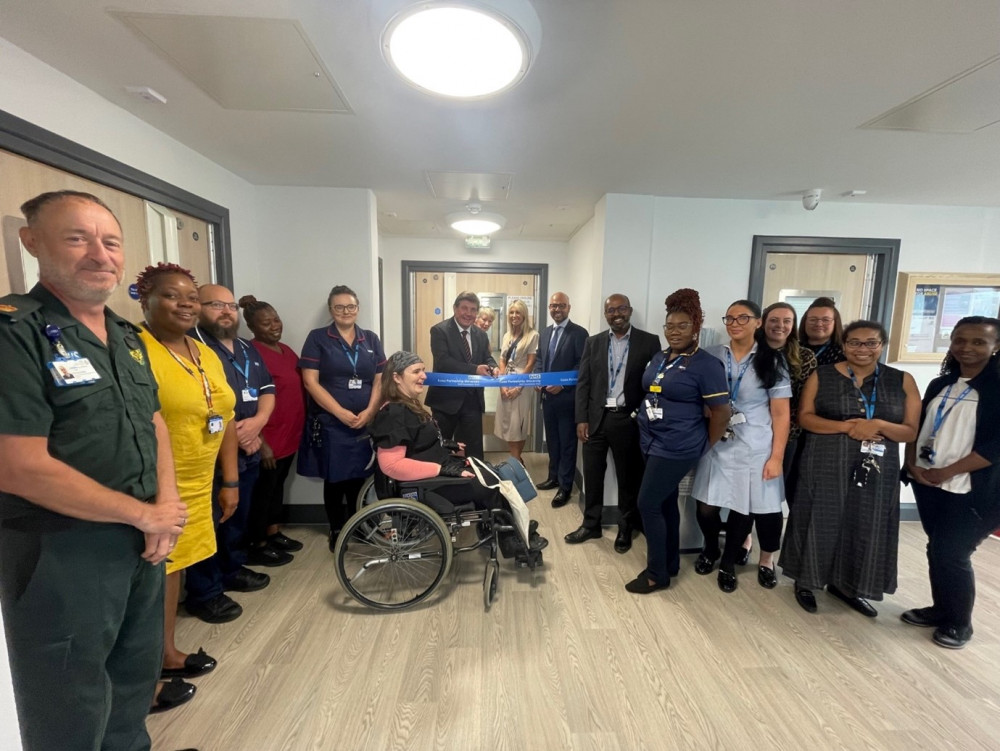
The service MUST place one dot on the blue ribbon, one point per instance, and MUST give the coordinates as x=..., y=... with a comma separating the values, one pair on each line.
x=459, y=380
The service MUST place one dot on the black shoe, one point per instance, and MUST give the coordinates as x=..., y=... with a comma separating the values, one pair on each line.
x=194, y=665
x=246, y=580
x=536, y=541
x=952, y=637
x=923, y=617
x=623, y=541
x=172, y=694
x=766, y=577
x=704, y=565
x=806, y=599
x=643, y=585
x=582, y=535
x=561, y=498
x=727, y=581
x=280, y=541
x=548, y=485
x=857, y=603
x=333, y=540
x=268, y=556
x=744, y=556
x=220, y=609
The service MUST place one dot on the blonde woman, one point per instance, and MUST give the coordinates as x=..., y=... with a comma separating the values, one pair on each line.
x=517, y=355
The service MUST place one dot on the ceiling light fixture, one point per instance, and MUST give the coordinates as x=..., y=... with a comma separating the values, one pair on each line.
x=462, y=50
x=475, y=221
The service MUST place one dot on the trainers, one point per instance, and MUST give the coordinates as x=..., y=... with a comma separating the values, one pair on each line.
x=246, y=580
x=220, y=609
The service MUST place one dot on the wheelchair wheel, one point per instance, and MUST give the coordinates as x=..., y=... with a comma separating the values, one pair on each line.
x=366, y=496
x=393, y=554
x=490, y=582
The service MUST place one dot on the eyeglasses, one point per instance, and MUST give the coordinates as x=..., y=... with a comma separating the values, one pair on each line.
x=742, y=319
x=858, y=344
x=352, y=308
x=825, y=321
x=557, y=305
x=218, y=305
x=622, y=309
x=677, y=326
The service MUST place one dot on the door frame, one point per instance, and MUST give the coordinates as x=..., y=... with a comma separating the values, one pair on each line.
x=480, y=267
x=885, y=250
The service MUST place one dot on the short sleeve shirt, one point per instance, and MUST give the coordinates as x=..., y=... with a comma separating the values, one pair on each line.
x=102, y=429
x=338, y=363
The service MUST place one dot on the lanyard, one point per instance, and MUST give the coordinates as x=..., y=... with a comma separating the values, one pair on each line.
x=942, y=414
x=206, y=387
x=347, y=353
x=245, y=370
x=611, y=365
x=512, y=351
x=821, y=350
x=662, y=371
x=869, y=403
x=734, y=389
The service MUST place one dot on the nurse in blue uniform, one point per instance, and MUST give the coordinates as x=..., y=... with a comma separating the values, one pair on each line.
x=339, y=364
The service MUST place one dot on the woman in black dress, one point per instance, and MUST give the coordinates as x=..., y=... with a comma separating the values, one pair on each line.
x=843, y=528
x=955, y=468
x=822, y=331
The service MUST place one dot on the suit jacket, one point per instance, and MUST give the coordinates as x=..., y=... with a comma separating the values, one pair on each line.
x=449, y=357
x=592, y=386
x=568, y=353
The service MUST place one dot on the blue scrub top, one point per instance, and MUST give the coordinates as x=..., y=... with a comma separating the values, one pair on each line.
x=328, y=353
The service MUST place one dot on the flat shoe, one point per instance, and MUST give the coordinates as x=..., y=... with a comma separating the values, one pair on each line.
x=744, y=556
x=642, y=585
x=806, y=599
x=284, y=542
x=268, y=556
x=952, y=637
x=727, y=581
x=582, y=534
x=859, y=604
x=195, y=664
x=704, y=565
x=766, y=577
x=172, y=694
x=923, y=617
x=548, y=485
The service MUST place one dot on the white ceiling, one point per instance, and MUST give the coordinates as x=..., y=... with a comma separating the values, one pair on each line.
x=700, y=98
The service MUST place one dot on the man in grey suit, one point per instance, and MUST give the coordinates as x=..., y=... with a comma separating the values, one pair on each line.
x=458, y=346
x=608, y=390
x=560, y=349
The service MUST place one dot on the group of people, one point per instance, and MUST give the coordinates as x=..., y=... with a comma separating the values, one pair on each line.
x=135, y=451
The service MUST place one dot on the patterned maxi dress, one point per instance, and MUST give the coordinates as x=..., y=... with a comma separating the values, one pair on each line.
x=839, y=533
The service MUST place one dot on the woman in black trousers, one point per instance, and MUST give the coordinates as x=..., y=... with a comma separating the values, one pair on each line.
x=955, y=468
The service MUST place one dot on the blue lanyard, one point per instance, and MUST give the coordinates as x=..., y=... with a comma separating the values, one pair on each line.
x=662, y=371
x=245, y=370
x=869, y=404
x=821, y=350
x=941, y=415
x=512, y=351
x=357, y=353
x=734, y=389
x=611, y=364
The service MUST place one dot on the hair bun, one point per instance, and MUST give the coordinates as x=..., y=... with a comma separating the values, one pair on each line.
x=247, y=300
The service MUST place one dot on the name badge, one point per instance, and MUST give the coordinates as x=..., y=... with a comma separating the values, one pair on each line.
x=654, y=413
x=737, y=418
x=215, y=424
x=73, y=370
x=354, y=384
x=249, y=395
x=611, y=402
x=875, y=448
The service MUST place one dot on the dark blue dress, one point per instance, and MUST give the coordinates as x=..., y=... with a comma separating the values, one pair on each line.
x=330, y=449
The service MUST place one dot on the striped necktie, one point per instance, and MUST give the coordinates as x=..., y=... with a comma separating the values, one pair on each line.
x=465, y=346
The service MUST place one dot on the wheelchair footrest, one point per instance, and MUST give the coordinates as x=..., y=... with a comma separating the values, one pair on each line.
x=528, y=559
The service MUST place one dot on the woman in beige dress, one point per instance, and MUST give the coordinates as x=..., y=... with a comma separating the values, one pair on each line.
x=517, y=355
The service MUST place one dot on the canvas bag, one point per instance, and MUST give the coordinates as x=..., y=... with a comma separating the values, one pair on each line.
x=489, y=478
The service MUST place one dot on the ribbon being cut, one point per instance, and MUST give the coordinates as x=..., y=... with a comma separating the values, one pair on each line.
x=459, y=380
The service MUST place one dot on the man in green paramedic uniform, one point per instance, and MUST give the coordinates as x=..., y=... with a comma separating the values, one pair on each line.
x=88, y=501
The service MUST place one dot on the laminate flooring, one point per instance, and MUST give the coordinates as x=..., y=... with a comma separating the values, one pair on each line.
x=567, y=659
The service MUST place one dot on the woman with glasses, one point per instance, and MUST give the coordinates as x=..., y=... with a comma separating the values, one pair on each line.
x=680, y=384
x=821, y=331
x=954, y=465
x=843, y=528
x=517, y=355
x=743, y=471
x=340, y=364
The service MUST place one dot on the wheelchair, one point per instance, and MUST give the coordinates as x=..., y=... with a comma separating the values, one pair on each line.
x=398, y=547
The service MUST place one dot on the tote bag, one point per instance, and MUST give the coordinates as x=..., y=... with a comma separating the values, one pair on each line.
x=489, y=478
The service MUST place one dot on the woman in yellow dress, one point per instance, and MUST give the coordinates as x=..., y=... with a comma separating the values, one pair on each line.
x=197, y=404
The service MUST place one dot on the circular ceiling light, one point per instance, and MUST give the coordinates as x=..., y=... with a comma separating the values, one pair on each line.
x=475, y=221
x=457, y=51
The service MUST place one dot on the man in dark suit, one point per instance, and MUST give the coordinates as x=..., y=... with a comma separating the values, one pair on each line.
x=458, y=346
x=560, y=349
x=608, y=390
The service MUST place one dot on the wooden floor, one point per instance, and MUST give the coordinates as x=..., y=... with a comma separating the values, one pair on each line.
x=566, y=659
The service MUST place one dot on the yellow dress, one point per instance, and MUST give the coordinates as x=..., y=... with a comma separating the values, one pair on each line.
x=185, y=410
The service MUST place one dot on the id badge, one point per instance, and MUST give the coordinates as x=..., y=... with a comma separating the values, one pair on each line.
x=610, y=402
x=249, y=395
x=875, y=448
x=354, y=384
x=215, y=424
x=73, y=370
x=654, y=413
x=737, y=418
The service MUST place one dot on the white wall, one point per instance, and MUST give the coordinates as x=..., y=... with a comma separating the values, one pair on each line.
x=586, y=257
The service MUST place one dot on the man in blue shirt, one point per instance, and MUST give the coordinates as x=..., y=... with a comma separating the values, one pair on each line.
x=208, y=580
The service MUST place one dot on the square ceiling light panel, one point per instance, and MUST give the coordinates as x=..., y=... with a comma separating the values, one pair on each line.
x=242, y=63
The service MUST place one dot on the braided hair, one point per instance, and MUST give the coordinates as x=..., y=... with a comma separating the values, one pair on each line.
x=252, y=306
x=949, y=363
x=686, y=300
x=147, y=278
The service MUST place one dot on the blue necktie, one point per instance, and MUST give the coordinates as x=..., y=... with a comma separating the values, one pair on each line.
x=553, y=343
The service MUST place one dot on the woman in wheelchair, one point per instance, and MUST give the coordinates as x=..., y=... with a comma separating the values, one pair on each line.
x=409, y=446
